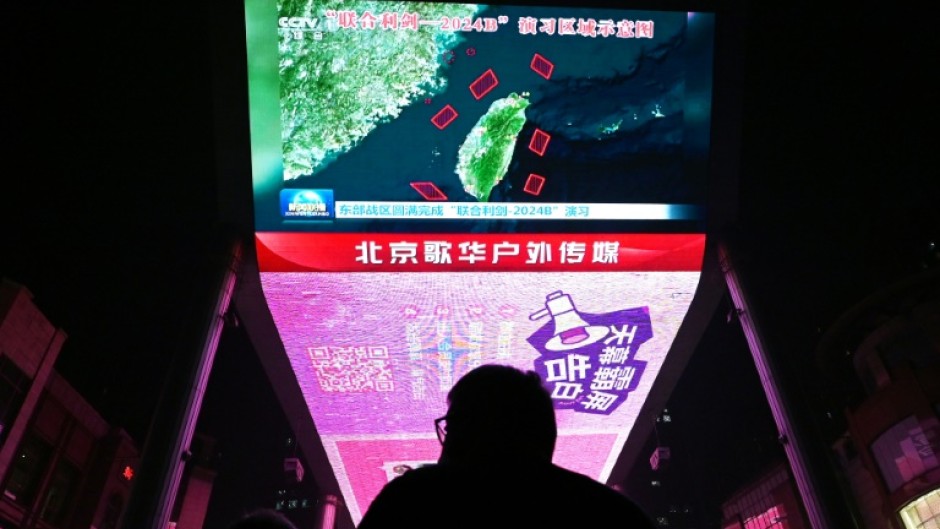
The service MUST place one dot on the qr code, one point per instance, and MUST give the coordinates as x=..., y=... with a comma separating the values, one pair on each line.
x=352, y=369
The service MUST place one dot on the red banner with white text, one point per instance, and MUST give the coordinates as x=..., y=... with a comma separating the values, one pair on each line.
x=513, y=252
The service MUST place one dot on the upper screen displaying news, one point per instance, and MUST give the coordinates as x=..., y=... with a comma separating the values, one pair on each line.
x=423, y=117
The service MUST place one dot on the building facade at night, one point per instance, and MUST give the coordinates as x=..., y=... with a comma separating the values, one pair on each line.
x=882, y=358
x=62, y=466
x=888, y=453
x=769, y=502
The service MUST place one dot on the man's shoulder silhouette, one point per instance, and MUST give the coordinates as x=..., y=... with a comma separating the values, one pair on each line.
x=495, y=469
x=543, y=496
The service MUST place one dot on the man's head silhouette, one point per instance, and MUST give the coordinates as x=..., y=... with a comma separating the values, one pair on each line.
x=496, y=467
x=498, y=413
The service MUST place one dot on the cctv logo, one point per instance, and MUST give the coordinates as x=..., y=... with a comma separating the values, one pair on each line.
x=304, y=23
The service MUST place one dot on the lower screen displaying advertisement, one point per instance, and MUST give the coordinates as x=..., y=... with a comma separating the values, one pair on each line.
x=378, y=327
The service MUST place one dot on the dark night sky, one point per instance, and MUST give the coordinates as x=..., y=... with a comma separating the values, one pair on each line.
x=110, y=178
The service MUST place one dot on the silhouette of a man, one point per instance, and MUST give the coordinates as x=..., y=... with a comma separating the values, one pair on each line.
x=496, y=468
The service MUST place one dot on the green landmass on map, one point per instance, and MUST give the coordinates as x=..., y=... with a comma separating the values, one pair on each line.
x=336, y=90
x=484, y=156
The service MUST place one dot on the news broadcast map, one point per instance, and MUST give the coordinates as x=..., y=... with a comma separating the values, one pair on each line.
x=437, y=102
x=439, y=186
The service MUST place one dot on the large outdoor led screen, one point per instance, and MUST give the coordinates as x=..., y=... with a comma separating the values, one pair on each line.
x=440, y=185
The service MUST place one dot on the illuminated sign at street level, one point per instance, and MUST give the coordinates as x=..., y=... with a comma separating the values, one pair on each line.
x=514, y=140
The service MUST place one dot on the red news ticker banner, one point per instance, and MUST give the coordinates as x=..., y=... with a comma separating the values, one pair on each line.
x=513, y=252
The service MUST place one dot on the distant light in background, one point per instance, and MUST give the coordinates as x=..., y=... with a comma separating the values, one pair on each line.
x=772, y=517
x=922, y=511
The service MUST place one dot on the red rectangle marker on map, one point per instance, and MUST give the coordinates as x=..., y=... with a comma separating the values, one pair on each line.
x=484, y=84
x=428, y=190
x=539, y=142
x=444, y=117
x=542, y=66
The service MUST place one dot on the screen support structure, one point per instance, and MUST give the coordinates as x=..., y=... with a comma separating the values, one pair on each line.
x=166, y=449
x=250, y=304
x=808, y=474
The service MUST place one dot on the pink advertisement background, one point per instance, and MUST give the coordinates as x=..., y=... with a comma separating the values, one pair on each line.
x=376, y=353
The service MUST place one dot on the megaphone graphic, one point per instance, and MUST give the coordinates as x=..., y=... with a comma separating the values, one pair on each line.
x=571, y=331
